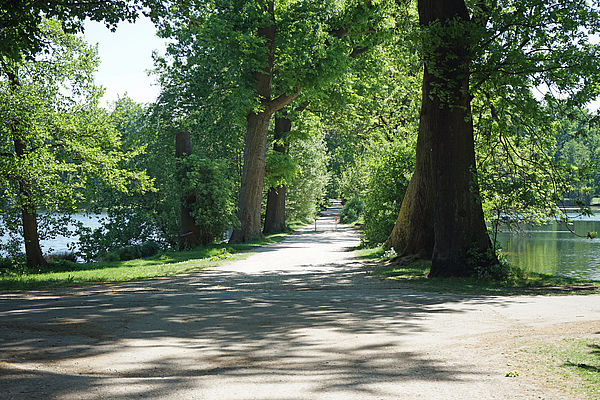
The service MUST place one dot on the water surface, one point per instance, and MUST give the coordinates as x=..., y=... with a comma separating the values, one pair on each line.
x=556, y=248
x=61, y=243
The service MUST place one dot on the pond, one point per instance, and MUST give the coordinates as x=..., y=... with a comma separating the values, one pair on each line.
x=554, y=249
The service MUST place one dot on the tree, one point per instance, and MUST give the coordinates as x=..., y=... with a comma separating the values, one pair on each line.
x=203, y=184
x=21, y=34
x=262, y=55
x=460, y=233
x=190, y=236
x=305, y=189
x=280, y=162
x=491, y=48
x=54, y=138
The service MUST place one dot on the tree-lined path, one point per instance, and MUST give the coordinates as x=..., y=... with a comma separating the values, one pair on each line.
x=298, y=320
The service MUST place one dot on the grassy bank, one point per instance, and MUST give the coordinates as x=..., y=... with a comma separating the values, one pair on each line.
x=160, y=265
x=518, y=282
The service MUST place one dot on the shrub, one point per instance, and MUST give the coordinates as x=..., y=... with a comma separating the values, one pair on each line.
x=62, y=255
x=389, y=174
x=353, y=209
x=146, y=249
x=208, y=188
x=60, y=265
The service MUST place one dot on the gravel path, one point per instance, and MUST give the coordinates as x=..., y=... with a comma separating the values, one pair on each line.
x=298, y=320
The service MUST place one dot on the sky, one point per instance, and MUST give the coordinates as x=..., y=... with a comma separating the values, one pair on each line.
x=125, y=56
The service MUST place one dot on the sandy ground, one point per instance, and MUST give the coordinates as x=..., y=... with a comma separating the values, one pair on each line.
x=298, y=320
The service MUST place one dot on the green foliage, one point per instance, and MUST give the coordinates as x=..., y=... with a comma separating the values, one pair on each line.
x=134, y=219
x=143, y=250
x=218, y=48
x=20, y=32
x=520, y=48
x=578, y=146
x=306, y=189
x=111, y=252
x=371, y=133
x=279, y=169
x=56, y=143
x=389, y=175
x=352, y=209
x=524, y=174
x=209, y=184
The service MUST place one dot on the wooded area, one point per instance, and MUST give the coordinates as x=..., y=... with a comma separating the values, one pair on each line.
x=434, y=120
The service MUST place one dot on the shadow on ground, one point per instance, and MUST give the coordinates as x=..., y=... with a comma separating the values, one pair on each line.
x=185, y=330
x=310, y=330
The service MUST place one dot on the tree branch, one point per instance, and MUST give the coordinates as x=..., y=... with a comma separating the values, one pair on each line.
x=281, y=101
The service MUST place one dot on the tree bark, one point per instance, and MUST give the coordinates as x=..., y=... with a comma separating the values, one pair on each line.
x=190, y=236
x=413, y=236
x=31, y=237
x=462, y=246
x=255, y=148
x=33, y=251
x=275, y=212
x=253, y=177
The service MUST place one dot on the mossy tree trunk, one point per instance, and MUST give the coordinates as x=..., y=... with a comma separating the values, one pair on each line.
x=441, y=215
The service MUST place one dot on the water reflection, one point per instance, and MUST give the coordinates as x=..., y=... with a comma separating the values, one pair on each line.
x=554, y=249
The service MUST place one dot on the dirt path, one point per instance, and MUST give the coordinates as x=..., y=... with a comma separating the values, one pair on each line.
x=298, y=320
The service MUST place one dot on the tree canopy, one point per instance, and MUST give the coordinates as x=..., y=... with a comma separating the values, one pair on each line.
x=21, y=34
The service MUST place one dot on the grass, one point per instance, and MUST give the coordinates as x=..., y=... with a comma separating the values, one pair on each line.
x=518, y=282
x=160, y=265
x=573, y=360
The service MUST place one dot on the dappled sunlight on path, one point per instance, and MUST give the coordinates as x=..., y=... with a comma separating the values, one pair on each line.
x=298, y=320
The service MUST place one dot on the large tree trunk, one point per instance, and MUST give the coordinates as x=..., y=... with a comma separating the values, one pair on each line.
x=462, y=245
x=189, y=237
x=412, y=236
x=275, y=212
x=253, y=173
x=31, y=237
x=253, y=177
